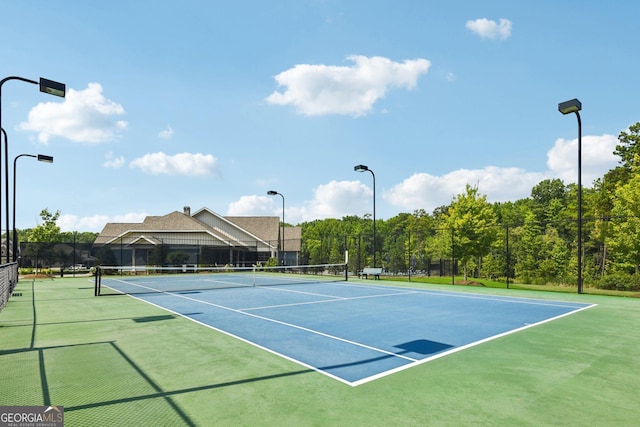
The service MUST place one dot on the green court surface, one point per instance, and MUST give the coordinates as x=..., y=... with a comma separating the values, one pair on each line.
x=118, y=361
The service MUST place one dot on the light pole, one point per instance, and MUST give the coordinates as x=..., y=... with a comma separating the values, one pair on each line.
x=568, y=107
x=273, y=193
x=363, y=168
x=41, y=158
x=47, y=86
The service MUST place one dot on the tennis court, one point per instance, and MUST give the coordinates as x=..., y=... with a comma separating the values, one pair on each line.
x=123, y=361
x=352, y=331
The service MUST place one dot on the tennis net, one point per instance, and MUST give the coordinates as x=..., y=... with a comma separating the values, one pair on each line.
x=141, y=280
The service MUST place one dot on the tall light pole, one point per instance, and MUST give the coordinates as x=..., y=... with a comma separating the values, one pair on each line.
x=41, y=158
x=273, y=193
x=47, y=86
x=568, y=107
x=363, y=168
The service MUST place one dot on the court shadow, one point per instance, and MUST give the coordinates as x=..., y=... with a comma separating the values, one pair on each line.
x=357, y=362
x=110, y=349
x=424, y=347
x=168, y=396
x=153, y=318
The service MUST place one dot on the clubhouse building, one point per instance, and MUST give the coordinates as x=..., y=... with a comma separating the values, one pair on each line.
x=202, y=238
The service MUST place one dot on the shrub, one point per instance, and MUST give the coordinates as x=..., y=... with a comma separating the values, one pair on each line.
x=620, y=282
x=272, y=262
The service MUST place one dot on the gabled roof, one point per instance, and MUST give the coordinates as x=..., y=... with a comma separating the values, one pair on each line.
x=292, y=239
x=265, y=229
x=259, y=232
x=112, y=229
x=145, y=240
x=172, y=222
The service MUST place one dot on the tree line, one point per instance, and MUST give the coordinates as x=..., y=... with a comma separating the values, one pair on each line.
x=531, y=240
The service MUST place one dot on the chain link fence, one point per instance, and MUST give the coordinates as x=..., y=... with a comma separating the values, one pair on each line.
x=126, y=252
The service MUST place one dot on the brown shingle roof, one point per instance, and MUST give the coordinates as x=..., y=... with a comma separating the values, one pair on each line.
x=174, y=221
x=113, y=229
x=292, y=239
x=264, y=227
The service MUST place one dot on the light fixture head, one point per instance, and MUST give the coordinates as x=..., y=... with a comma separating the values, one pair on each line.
x=571, y=106
x=45, y=158
x=272, y=193
x=360, y=168
x=52, y=88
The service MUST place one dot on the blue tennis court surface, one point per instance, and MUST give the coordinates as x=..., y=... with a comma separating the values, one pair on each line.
x=356, y=332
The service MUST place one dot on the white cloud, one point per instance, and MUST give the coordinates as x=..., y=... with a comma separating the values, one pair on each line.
x=489, y=29
x=84, y=116
x=332, y=200
x=254, y=205
x=167, y=133
x=337, y=199
x=597, y=158
x=111, y=161
x=317, y=90
x=179, y=164
x=424, y=191
x=95, y=223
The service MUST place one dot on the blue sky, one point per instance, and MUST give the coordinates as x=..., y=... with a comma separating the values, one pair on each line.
x=212, y=104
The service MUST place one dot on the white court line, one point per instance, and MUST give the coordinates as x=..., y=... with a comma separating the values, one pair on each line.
x=412, y=361
x=247, y=341
x=291, y=325
x=331, y=299
x=461, y=294
x=464, y=347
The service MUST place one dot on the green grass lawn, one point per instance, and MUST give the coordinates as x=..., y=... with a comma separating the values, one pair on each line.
x=122, y=362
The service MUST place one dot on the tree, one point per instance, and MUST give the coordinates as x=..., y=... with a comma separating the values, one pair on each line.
x=526, y=239
x=553, y=258
x=420, y=229
x=603, y=202
x=78, y=237
x=544, y=192
x=396, y=244
x=549, y=203
x=473, y=223
x=629, y=147
x=48, y=231
x=625, y=230
x=541, y=230
x=41, y=239
x=325, y=241
x=510, y=216
x=605, y=190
